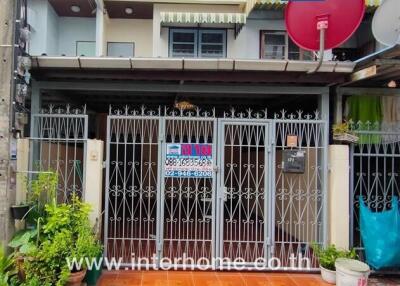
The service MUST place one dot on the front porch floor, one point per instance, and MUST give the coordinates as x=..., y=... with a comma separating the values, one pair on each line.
x=208, y=278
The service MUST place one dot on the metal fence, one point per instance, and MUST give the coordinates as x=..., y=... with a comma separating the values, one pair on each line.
x=249, y=207
x=58, y=143
x=375, y=169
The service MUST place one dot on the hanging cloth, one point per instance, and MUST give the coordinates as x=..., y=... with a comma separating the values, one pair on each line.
x=366, y=113
x=391, y=118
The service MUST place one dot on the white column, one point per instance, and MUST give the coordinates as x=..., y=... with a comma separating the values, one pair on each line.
x=100, y=29
x=93, y=178
x=339, y=196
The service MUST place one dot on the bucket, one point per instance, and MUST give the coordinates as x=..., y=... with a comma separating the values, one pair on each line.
x=350, y=272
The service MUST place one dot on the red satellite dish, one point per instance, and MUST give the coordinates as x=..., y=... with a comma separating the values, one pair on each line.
x=339, y=19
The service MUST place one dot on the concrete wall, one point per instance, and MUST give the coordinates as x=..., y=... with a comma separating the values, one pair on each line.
x=54, y=35
x=131, y=30
x=94, y=179
x=73, y=29
x=339, y=203
x=39, y=12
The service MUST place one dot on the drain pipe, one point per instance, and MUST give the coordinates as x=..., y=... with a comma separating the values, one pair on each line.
x=322, y=25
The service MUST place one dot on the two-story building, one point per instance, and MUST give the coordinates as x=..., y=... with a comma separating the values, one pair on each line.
x=136, y=83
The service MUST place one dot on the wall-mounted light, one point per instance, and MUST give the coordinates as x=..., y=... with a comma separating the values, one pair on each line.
x=128, y=11
x=184, y=105
x=75, y=8
x=392, y=84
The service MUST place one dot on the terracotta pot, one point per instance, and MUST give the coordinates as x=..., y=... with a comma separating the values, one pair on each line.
x=75, y=278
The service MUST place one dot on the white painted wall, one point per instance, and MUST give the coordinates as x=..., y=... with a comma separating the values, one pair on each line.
x=54, y=35
x=73, y=29
x=41, y=19
x=139, y=31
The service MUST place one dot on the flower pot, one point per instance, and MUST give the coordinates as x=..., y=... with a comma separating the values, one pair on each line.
x=328, y=276
x=75, y=278
x=346, y=138
x=20, y=212
x=350, y=272
x=92, y=275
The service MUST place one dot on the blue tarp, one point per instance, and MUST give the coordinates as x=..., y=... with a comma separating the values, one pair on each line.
x=380, y=234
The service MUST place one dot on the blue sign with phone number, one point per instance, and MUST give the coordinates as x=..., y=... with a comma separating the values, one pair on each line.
x=188, y=161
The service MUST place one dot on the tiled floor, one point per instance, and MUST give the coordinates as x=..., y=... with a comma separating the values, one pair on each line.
x=202, y=278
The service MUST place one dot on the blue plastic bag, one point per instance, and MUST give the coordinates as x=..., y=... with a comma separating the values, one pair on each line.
x=380, y=234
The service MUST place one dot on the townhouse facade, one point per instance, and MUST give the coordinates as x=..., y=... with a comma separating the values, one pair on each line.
x=197, y=129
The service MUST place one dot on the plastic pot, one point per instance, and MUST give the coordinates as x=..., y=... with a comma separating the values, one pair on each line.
x=328, y=276
x=20, y=212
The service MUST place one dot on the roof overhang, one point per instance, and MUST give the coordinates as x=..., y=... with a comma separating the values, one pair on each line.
x=377, y=69
x=195, y=70
x=277, y=4
x=41, y=62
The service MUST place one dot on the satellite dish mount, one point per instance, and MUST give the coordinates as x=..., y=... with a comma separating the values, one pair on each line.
x=322, y=26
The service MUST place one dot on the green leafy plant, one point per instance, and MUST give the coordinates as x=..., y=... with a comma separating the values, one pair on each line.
x=341, y=128
x=24, y=241
x=327, y=256
x=7, y=267
x=66, y=234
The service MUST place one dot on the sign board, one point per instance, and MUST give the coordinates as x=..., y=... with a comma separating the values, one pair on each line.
x=189, y=161
x=291, y=141
x=294, y=161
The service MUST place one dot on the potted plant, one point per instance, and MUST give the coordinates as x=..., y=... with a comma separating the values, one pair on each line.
x=95, y=251
x=42, y=190
x=342, y=133
x=20, y=211
x=67, y=246
x=327, y=258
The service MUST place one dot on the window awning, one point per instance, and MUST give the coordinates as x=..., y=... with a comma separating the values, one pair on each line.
x=236, y=20
x=202, y=18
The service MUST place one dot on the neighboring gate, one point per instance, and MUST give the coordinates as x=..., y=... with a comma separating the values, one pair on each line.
x=236, y=204
x=58, y=144
x=375, y=169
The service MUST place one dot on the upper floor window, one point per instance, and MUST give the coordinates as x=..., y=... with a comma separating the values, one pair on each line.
x=86, y=48
x=203, y=43
x=277, y=45
x=121, y=50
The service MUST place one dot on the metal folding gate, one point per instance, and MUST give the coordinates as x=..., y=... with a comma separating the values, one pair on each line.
x=248, y=206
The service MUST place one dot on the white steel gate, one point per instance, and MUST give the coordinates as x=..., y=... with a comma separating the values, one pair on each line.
x=244, y=209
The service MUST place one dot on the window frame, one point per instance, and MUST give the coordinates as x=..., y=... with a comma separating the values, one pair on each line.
x=133, y=48
x=171, y=42
x=281, y=32
x=212, y=31
x=197, y=40
x=76, y=47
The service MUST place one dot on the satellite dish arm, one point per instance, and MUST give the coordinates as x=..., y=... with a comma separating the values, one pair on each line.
x=321, y=26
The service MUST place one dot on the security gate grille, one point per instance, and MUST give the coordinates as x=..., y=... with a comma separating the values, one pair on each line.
x=248, y=207
x=375, y=169
x=244, y=211
x=58, y=144
x=188, y=219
